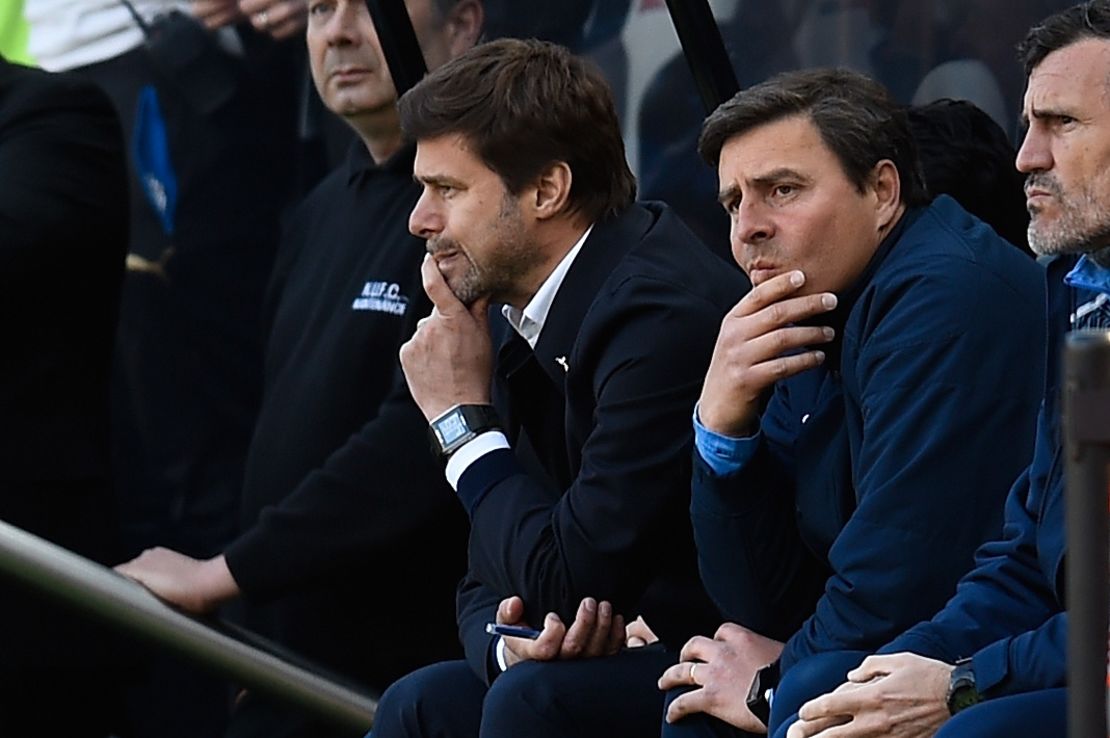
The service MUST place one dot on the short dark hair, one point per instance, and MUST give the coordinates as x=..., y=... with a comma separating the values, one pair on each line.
x=856, y=117
x=1086, y=20
x=523, y=105
x=966, y=154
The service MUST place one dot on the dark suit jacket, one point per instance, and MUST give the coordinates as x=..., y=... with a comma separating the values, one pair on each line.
x=63, y=230
x=1008, y=613
x=593, y=499
x=62, y=238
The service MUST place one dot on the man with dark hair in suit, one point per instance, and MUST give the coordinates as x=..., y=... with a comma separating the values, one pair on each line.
x=63, y=235
x=574, y=468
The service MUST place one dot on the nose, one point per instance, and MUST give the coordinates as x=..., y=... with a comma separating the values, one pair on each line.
x=343, y=26
x=750, y=225
x=1035, y=154
x=424, y=220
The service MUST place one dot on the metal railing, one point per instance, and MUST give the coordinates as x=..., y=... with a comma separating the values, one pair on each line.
x=1087, y=465
x=125, y=604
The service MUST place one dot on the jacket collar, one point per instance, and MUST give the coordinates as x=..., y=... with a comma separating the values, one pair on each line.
x=360, y=164
x=603, y=250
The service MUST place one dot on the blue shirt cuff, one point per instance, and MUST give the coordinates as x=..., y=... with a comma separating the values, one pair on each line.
x=723, y=454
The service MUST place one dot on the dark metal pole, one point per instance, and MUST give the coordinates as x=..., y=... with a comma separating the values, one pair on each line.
x=125, y=604
x=402, y=52
x=1087, y=465
x=704, y=50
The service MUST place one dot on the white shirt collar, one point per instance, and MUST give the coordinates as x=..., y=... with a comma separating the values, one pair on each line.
x=529, y=321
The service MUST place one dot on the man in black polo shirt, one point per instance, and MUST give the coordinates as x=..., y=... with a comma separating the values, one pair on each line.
x=341, y=494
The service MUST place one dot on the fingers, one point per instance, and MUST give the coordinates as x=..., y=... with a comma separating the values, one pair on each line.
x=438, y=290
x=280, y=19
x=638, y=634
x=698, y=648
x=579, y=634
x=544, y=648
x=872, y=666
x=680, y=675
x=510, y=611
x=790, y=311
x=215, y=13
x=685, y=704
x=833, y=705
x=599, y=637
x=596, y=631
x=616, y=636
x=810, y=728
x=777, y=290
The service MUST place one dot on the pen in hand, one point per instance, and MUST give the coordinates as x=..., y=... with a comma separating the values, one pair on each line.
x=512, y=631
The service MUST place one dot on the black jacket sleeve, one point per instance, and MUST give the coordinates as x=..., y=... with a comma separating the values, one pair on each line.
x=380, y=494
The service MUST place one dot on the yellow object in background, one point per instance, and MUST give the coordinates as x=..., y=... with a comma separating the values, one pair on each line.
x=14, y=32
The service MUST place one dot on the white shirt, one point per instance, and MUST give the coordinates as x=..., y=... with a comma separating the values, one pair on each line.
x=76, y=33
x=529, y=324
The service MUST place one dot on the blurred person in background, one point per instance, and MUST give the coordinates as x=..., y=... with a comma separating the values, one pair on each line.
x=345, y=511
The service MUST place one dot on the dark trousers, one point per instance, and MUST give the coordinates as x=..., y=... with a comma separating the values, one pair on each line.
x=808, y=679
x=609, y=698
x=1040, y=714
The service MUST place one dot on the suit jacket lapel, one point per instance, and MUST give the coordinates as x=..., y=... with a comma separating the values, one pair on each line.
x=609, y=242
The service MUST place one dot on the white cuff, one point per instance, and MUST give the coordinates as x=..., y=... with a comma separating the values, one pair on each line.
x=471, y=451
x=499, y=651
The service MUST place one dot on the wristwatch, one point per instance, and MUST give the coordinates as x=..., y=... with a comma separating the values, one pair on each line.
x=459, y=424
x=762, y=691
x=962, y=693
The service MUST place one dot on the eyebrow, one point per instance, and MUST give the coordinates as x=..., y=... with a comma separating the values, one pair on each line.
x=728, y=193
x=1041, y=113
x=771, y=177
x=437, y=180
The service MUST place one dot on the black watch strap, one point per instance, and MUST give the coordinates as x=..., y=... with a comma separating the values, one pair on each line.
x=462, y=423
x=962, y=692
x=759, y=694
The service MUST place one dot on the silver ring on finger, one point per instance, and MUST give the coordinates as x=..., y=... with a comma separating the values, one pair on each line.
x=693, y=667
x=262, y=18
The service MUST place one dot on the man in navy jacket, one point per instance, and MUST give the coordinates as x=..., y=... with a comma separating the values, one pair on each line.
x=574, y=470
x=992, y=662
x=894, y=337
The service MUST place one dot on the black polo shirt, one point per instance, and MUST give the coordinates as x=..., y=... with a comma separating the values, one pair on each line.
x=342, y=497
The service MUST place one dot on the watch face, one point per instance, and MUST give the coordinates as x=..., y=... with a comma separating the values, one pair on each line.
x=964, y=697
x=451, y=429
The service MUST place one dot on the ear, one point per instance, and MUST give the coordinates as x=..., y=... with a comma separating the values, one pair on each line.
x=552, y=191
x=886, y=187
x=464, y=25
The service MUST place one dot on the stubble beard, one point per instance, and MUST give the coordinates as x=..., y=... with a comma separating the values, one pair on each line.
x=1082, y=227
x=513, y=257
